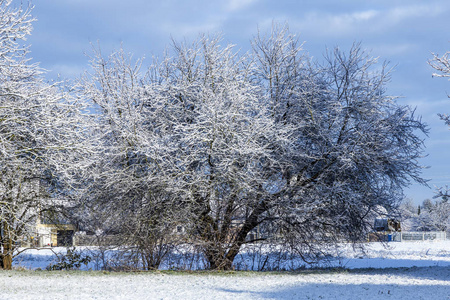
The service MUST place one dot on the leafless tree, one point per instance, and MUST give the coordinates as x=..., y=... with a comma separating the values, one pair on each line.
x=354, y=148
x=126, y=193
x=440, y=215
x=36, y=134
x=441, y=64
x=225, y=143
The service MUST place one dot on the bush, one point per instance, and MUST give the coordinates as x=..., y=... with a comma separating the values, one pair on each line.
x=71, y=260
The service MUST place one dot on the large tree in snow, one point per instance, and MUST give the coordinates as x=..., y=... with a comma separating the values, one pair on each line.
x=225, y=146
x=185, y=143
x=352, y=150
x=36, y=134
x=126, y=190
x=440, y=214
x=225, y=143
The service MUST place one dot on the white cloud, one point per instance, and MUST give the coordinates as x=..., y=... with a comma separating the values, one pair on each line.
x=398, y=14
x=235, y=5
x=373, y=20
x=349, y=19
x=331, y=24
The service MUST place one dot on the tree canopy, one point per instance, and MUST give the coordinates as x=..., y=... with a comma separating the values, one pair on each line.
x=221, y=143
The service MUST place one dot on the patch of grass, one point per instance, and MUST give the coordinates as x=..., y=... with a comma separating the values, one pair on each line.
x=231, y=273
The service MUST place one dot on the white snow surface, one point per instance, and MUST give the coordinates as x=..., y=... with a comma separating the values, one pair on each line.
x=402, y=271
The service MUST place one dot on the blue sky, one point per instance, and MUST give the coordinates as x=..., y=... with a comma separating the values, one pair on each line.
x=404, y=33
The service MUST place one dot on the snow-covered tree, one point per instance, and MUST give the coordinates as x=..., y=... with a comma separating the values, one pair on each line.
x=353, y=147
x=409, y=215
x=440, y=210
x=126, y=192
x=226, y=145
x=35, y=134
x=223, y=143
x=440, y=214
x=431, y=215
x=184, y=144
x=441, y=64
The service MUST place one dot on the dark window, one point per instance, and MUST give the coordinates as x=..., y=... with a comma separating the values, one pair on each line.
x=64, y=238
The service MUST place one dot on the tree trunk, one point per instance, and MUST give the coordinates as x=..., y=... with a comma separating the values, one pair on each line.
x=217, y=259
x=220, y=258
x=6, y=262
x=6, y=247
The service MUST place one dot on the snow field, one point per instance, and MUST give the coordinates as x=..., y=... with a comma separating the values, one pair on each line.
x=408, y=270
x=414, y=283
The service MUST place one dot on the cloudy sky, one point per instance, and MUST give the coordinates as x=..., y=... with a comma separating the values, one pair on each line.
x=404, y=33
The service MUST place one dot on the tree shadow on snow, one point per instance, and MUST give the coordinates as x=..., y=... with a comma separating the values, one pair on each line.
x=348, y=285
x=410, y=273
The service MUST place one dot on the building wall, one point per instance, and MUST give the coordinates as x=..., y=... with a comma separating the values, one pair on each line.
x=48, y=233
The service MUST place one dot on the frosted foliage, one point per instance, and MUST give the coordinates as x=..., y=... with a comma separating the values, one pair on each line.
x=353, y=149
x=36, y=125
x=435, y=215
x=441, y=65
x=439, y=215
x=206, y=146
x=237, y=148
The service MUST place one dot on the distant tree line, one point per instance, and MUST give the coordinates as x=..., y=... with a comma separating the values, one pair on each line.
x=431, y=215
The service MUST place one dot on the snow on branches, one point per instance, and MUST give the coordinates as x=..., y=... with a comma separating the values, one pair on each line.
x=38, y=133
x=239, y=148
x=229, y=148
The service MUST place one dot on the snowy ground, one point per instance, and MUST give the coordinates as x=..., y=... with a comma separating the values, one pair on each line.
x=403, y=271
x=398, y=255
